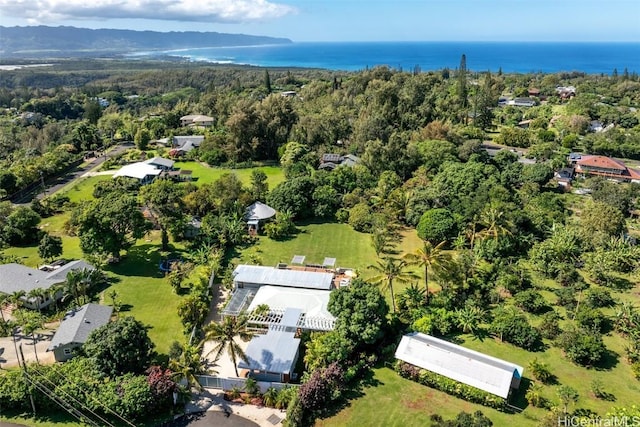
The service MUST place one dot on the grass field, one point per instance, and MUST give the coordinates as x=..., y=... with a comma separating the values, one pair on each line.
x=83, y=189
x=391, y=400
x=206, y=174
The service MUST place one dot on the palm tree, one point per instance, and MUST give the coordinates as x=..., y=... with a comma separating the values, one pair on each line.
x=469, y=318
x=429, y=256
x=37, y=294
x=189, y=364
x=224, y=335
x=79, y=282
x=495, y=223
x=390, y=269
x=412, y=297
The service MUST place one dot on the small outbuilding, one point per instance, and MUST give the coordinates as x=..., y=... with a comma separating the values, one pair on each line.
x=75, y=328
x=470, y=367
x=256, y=213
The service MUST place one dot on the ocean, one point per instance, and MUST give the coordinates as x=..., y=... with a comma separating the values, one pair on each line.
x=520, y=57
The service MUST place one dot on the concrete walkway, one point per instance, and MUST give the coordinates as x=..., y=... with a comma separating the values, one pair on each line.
x=213, y=400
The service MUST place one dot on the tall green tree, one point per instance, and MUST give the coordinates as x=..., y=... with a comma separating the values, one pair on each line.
x=164, y=198
x=389, y=270
x=429, y=257
x=120, y=347
x=50, y=247
x=224, y=335
x=109, y=225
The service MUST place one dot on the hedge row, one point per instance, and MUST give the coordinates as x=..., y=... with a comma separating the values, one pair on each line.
x=449, y=386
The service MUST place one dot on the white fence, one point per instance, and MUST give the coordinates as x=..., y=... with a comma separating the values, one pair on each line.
x=209, y=381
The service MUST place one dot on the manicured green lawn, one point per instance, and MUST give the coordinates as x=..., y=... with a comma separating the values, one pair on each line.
x=394, y=401
x=83, y=188
x=146, y=294
x=206, y=174
x=317, y=241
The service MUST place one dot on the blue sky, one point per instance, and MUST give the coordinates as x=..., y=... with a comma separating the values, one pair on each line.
x=348, y=20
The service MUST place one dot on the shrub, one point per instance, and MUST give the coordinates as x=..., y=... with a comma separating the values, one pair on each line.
x=513, y=327
x=581, y=346
x=531, y=301
x=550, y=325
x=436, y=225
x=540, y=371
x=449, y=386
x=592, y=319
x=360, y=217
x=598, y=298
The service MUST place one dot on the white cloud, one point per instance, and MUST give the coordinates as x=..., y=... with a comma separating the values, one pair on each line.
x=219, y=11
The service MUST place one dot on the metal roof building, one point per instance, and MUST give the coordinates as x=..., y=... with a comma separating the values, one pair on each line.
x=273, y=356
x=256, y=275
x=469, y=367
x=293, y=307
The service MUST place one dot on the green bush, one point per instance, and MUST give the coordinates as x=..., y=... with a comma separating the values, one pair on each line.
x=449, y=386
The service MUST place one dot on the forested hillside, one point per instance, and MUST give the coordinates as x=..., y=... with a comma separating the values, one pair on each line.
x=29, y=42
x=444, y=203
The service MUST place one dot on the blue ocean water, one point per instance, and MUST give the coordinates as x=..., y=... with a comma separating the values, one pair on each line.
x=481, y=56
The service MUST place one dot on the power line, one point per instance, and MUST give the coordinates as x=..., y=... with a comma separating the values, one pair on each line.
x=102, y=405
x=70, y=397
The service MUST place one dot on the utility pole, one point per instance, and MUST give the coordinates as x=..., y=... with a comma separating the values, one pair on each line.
x=26, y=377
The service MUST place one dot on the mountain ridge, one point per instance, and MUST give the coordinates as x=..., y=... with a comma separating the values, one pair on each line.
x=42, y=40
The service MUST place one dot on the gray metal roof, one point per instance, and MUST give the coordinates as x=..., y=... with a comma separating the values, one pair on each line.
x=17, y=277
x=261, y=275
x=273, y=352
x=79, y=323
x=168, y=163
x=459, y=363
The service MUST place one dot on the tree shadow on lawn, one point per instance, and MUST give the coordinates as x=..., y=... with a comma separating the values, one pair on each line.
x=609, y=361
x=354, y=392
x=141, y=260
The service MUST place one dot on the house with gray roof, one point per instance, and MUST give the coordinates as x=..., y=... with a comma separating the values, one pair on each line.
x=75, y=328
x=19, y=278
x=161, y=163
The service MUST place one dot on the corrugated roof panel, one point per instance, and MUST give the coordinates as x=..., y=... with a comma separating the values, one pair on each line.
x=459, y=363
x=281, y=277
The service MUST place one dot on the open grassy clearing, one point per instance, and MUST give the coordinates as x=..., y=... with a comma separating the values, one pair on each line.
x=206, y=174
x=391, y=400
x=83, y=189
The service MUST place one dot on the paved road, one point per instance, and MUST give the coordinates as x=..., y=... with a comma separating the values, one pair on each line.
x=62, y=181
x=212, y=418
x=77, y=174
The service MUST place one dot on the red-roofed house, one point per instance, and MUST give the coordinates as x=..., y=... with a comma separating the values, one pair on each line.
x=605, y=167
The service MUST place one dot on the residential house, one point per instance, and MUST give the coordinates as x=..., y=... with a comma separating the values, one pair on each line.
x=19, y=278
x=566, y=92
x=564, y=176
x=142, y=171
x=161, y=163
x=75, y=328
x=296, y=299
x=196, y=120
x=330, y=161
x=184, y=144
x=272, y=356
x=288, y=93
x=606, y=167
x=493, y=375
